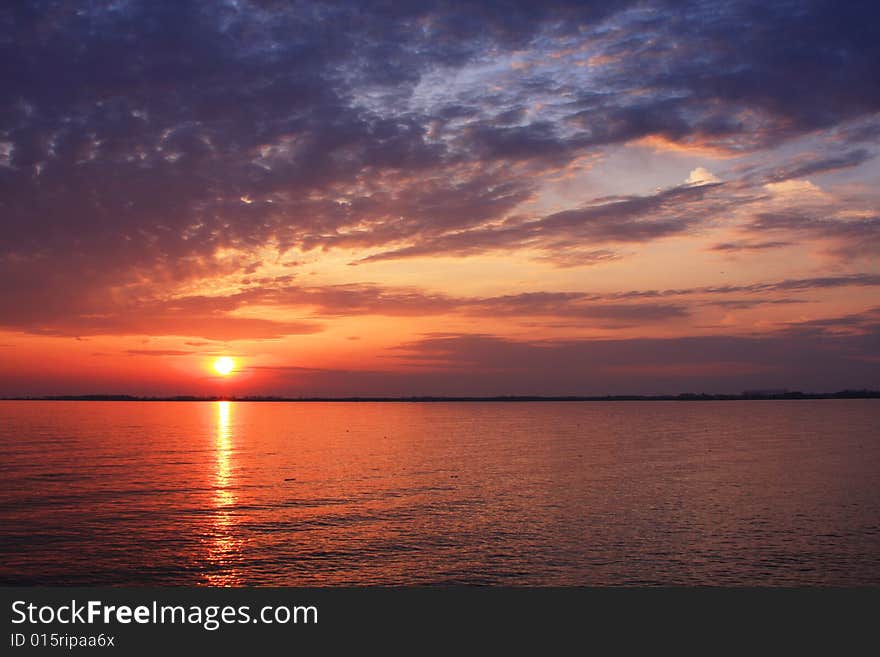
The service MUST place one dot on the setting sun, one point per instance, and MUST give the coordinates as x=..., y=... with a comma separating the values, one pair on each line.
x=224, y=366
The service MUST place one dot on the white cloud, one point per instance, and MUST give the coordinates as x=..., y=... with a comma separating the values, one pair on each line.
x=701, y=176
x=801, y=190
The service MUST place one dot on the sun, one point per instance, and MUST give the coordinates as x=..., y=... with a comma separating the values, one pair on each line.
x=224, y=366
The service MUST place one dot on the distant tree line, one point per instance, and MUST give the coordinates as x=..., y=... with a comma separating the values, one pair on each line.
x=685, y=396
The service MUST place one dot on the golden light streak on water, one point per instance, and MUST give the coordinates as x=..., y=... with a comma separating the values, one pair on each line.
x=225, y=545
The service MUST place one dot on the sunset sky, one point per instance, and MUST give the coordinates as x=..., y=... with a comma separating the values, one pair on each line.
x=408, y=198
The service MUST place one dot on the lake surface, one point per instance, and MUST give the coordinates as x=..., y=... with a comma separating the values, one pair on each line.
x=571, y=493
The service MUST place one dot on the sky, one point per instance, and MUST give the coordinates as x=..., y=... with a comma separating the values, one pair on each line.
x=439, y=198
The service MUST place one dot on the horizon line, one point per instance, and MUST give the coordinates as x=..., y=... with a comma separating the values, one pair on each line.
x=683, y=396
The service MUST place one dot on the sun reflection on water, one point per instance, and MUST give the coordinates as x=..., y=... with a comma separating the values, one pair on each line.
x=225, y=546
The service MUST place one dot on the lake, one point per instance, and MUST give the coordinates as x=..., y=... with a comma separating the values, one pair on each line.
x=514, y=493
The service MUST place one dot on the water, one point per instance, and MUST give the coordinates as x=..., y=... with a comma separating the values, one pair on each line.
x=237, y=494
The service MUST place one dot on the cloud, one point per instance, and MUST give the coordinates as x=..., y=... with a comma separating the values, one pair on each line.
x=799, y=191
x=147, y=148
x=701, y=176
x=324, y=302
x=745, y=304
x=214, y=318
x=785, y=285
x=747, y=246
x=623, y=220
x=568, y=256
x=812, y=165
x=867, y=322
x=158, y=352
x=845, y=238
x=137, y=149
x=75, y=310
x=310, y=308
x=483, y=364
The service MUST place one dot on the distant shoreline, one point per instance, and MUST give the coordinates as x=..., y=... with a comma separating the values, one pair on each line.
x=745, y=396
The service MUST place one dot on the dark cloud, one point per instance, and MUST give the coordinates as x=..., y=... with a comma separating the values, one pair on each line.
x=607, y=220
x=136, y=128
x=816, y=165
x=786, y=285
x=80, y=312
x=149, y=144
x=215, y=318
x=866, y=321
x=479, y=364
x=791, y=67
x=744, y=304
x=845, y=238
x=141, y=126
x=747, y=246
x=560, y=305
x=366, y=299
